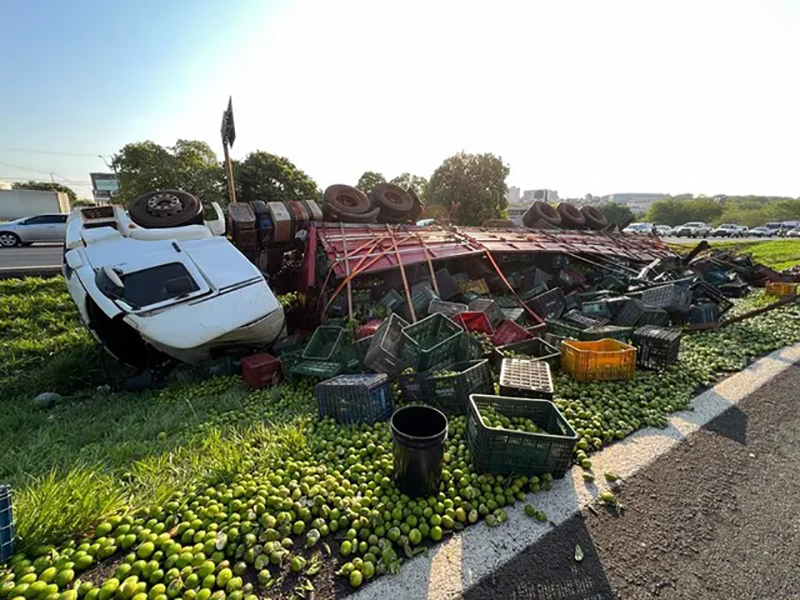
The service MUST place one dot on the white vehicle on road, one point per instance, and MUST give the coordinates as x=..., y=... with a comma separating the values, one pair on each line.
x=692, y=229
x=663, y=230
x=641, y=228
x=181, y=290
x=30, y=230
x=726, y=230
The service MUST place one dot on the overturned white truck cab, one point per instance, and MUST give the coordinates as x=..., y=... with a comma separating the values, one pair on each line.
x=177, y=287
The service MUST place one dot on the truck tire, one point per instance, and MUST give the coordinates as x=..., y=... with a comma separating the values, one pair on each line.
x=8, y=239
x=418, y=207
x=348, y=217
x=571, y=217
x=346, y=199
x=166, y=208
x=593, y=217
x=541, y=211
x=393, y=200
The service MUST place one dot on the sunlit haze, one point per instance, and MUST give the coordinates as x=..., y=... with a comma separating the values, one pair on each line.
x=580, y=97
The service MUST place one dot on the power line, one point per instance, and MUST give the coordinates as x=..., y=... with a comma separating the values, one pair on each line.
x=66, y=181
x=24, y=168
x=53, y=152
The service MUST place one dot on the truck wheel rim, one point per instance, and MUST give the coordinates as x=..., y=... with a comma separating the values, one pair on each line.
x=164, y=205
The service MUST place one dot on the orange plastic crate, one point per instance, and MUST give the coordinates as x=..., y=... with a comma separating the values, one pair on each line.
x=603, y=360
x=781, y=288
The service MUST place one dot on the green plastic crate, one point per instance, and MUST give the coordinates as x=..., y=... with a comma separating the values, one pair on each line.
x=324, y=343
x=384, y=354
x=497, y=450
x=363, y=398
x=469, y=348
x=352, y=356
x=536, y=349
x=606, y=332
x=431, y=342
x=392, y=301
x=288, y=361
x=288, y=344
x=449, y=389
x=317, y=368
x=421, y=297
x=563, y=329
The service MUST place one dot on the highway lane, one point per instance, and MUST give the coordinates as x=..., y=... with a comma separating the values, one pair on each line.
x=39, y=255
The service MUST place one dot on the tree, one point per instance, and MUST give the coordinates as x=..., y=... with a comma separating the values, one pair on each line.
x=619, y=214
x=470, y=187
x=47, y=186
x=271, y=178
x=679, y=210
x=189, y=165
x=408, y=181
x=369, y=180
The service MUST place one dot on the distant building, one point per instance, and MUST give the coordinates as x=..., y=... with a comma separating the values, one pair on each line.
x=638, y=203
x=520, y=204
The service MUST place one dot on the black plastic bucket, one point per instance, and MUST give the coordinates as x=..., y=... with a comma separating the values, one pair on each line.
x=419, y=433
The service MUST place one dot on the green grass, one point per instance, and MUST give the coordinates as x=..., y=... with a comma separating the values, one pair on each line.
x=42, y=344
x=95, y=454
x=778, y=254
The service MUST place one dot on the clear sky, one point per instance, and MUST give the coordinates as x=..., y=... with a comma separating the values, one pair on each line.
x=598, y=96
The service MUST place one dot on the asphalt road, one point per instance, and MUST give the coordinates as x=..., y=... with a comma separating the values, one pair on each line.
x=714, y=518
x=40, y=255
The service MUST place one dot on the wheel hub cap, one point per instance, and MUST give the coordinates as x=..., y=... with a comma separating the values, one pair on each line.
x=164, y=205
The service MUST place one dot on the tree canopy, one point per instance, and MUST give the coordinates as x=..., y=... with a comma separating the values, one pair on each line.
x=189, y=165
x=271, y=178
x=368, y=180
x=46, y=186
x=413, y=182
x=674, y=211
x=619, y=214
x=470, y=187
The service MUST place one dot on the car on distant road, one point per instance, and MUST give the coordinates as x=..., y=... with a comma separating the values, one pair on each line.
x=30, y=230
x=726, y=230
x=663, y=230
x=794, y=233
x=743, y=230
x=692, y=229
x=640, y=228
x=777, y=228
x=760, y=232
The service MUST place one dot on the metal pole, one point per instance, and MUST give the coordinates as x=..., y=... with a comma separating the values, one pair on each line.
x=229, y=174
x=347, y=270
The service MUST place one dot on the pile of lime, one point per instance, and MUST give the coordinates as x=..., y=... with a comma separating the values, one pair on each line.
x=325, y=492
x=493, y=418
x=239, y=540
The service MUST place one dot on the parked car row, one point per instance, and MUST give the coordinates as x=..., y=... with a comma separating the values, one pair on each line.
x=698, y=229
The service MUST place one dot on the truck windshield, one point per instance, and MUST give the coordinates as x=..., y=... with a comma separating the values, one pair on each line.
x=157, y=284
